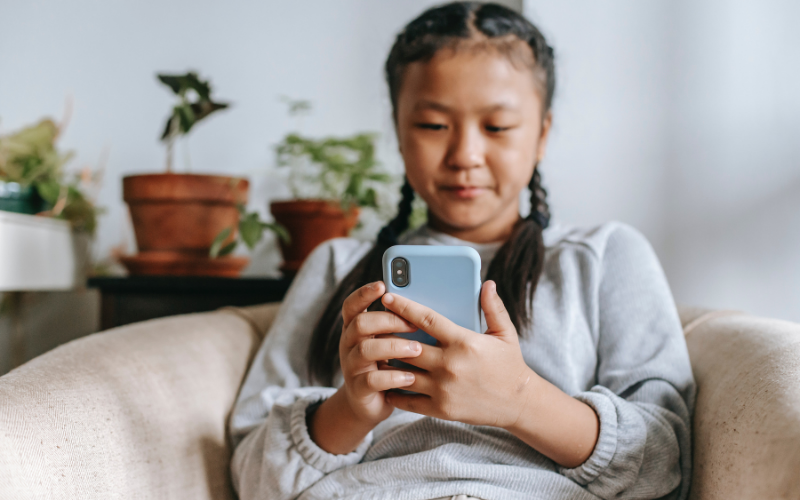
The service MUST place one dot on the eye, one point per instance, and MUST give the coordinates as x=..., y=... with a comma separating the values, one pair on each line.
x=431, y=126
x=493, y=129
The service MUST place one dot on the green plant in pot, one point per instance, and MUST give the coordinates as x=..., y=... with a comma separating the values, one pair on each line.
x=32, y=178
x=331, y=179
x=176, y=217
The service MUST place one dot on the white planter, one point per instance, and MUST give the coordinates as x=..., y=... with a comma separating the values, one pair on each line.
x=36, y=253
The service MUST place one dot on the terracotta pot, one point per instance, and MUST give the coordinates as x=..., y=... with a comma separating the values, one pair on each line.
x=181, y=214
x=310, y=222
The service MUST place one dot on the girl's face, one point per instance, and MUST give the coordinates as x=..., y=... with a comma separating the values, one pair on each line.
x=470, y=130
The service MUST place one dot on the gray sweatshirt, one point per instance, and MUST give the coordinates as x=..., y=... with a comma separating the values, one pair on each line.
x=605, y=331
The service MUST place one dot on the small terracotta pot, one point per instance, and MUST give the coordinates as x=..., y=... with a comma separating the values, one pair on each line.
x=182, y=214
x=310, y=222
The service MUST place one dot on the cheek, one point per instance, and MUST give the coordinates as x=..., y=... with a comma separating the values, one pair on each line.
x=512, y=166
x=421, y=158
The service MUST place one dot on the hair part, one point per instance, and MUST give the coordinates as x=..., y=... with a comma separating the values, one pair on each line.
x=518, y=264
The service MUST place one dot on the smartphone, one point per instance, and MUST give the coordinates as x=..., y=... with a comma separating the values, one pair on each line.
x=444, y=278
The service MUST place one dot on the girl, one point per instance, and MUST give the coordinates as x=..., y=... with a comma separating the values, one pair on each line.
x=581, y=386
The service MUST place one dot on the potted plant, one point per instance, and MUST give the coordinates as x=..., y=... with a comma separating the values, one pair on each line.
x=330, y=180
x=32, y=180
x=176, y=217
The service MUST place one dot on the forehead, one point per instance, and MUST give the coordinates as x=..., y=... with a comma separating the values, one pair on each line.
x=464, y=79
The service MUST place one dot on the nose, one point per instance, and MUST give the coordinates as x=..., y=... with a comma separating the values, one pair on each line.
x=467, y=149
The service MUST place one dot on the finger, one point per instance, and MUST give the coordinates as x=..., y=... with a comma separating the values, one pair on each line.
x=423, y=384
x=369, y=351
x=429, y=359
x=381, y=380
x=360, y=300
x=368, y=324
x=497, y=319
x=415, y=403
x=426, y=319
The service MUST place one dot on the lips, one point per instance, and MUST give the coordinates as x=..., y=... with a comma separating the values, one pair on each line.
x=465, y=191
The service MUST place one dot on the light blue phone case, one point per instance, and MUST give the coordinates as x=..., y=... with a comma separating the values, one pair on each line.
x=445, y=278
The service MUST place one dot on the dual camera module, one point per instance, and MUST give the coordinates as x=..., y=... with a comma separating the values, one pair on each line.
x=400, y=274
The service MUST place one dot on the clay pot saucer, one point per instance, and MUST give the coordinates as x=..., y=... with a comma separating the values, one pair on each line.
x=166, y=263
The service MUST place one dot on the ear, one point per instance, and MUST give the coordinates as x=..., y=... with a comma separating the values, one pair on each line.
x=547, y=122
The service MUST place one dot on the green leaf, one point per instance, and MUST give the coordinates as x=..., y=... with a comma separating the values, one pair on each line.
x=216, y=246
x=379, y=177
x=49, y=190
x=191, y=108
x=168, y=127
x=230, y=247
x=186, y=116
x=370, y=199
x=250, y=229
x=279, y=230
x=172, y=81
x=204, y=108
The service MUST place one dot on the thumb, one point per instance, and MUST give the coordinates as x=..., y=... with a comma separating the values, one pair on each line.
x=497, y=319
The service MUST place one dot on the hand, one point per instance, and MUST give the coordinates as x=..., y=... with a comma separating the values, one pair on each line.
x=360, y=353
x=469, y=377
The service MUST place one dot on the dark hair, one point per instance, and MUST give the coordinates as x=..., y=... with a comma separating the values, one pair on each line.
x=518, y=263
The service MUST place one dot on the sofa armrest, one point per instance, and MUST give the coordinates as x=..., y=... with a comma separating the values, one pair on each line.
x=747, y=416
x=137, y=411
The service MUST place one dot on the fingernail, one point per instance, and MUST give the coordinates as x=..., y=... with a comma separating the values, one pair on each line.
x=414, y=346
x=408, y=376
x=388, y=298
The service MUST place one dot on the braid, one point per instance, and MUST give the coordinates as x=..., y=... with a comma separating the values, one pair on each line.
x=323, y=351
x=389, y=234
x=518, y=264
x=540, y=210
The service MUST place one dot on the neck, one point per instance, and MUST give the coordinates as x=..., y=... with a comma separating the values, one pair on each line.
x=496, y=229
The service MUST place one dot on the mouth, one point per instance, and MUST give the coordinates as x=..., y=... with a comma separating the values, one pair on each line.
x=465, y=192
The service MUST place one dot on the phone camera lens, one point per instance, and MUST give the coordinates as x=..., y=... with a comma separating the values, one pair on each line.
x=400, y=272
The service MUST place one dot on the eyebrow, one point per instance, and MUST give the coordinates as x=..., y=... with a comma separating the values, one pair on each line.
x=437, y=106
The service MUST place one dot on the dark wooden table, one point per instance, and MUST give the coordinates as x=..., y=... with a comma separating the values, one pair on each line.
x=139, y=298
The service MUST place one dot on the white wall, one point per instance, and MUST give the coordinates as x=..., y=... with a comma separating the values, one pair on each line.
x=683, y=119
x=606, y=158
x=733, y=167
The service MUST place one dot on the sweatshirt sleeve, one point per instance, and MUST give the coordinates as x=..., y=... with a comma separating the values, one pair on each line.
x=274, y=456
x=645, y=390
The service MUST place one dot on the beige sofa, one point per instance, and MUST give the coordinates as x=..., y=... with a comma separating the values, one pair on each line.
x=140, y=411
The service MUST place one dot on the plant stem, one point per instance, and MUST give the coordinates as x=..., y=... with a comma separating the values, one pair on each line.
x=187, y=162
x=173, y=133
x=170, y=142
